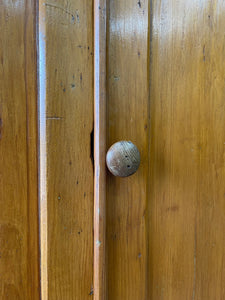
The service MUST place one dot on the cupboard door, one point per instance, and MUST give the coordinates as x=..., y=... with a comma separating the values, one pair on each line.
x=165, y=224
x=151, y=72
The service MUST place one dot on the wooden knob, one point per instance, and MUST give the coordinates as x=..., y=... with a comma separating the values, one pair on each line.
x=123, y=159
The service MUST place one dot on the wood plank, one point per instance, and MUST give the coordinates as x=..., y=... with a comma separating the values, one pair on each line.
x=68, y=68
x=187, y=169
x=127, y=119
x=19, y=258
x=100, y=14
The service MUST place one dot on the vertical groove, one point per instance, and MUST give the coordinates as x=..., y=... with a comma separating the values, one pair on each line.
x=30, y=57
x=99, y=147
x=149, y=59
x=42, y=153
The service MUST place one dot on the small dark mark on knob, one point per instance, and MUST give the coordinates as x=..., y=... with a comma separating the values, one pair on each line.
x=123, y=159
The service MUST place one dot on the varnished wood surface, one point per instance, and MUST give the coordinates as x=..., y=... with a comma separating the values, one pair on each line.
x=100, y=16
x=127, y=119
x=69, y=124
x=187, y=168
x=165, y=225
x=165, y=92
x=19, y=258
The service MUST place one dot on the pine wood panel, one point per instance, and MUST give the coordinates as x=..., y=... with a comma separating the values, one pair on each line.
x=187, y=169
x=165, y=224
x=175, y=249
x=100, y=15
x=68, y=257
x=127, y=119
x=19, y=259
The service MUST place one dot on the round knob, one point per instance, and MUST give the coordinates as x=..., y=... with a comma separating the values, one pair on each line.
x=123, y=159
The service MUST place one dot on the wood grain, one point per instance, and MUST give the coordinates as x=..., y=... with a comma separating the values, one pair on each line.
x=165, y=224
x=127, y=119
x=100, y=16
x=187, y=167
x=69, y=124
x=165, y=237
x=19, y=258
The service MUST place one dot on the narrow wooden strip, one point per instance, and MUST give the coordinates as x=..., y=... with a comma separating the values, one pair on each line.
x=100, y=147
x=31, y=87
x=68, y=117
x=43, y=155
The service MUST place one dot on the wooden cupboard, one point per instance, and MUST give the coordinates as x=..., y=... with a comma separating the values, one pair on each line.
x=76, y=77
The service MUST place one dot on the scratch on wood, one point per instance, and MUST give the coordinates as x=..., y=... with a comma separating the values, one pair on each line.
x=59, y=7
x=54, y=118
x=66, y=11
